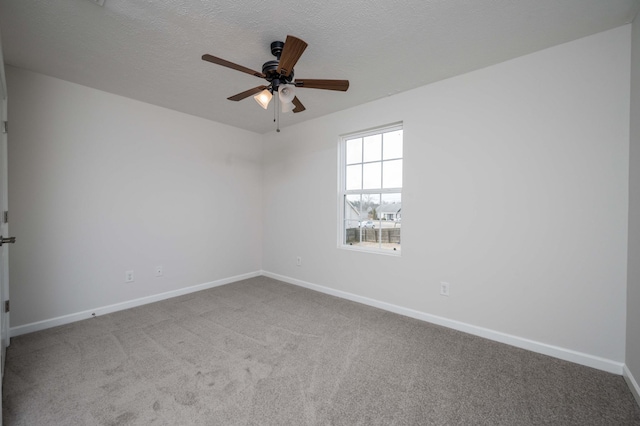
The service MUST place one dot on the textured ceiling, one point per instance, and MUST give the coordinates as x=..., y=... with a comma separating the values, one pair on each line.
x=150, y=50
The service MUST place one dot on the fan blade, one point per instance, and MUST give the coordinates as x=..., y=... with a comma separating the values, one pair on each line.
x=299, y=107
x=247, y=93
x=293, y=48
x=341, y=85
x=224, y=63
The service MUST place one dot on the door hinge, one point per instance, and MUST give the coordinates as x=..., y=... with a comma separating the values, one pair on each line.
x=5, y=127
x=7, y=306
x=5, y=216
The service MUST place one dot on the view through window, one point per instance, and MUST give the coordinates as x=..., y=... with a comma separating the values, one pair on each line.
x=371, y=190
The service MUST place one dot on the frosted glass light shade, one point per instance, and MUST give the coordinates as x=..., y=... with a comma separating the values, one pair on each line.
x=263, y=98
x=286, y=93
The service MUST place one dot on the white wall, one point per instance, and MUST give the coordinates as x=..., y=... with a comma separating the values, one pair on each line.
x=516, y=193
x=101, y=184
x=633, y=291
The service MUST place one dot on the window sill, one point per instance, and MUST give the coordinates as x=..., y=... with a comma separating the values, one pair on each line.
x=392, y=253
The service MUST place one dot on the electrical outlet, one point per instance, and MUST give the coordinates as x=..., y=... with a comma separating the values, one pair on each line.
x=444, y=289
x=128, y=276
x=159, y=271
x=298, y=261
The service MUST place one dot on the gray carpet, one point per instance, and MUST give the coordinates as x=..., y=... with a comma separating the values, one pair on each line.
x=262, y=352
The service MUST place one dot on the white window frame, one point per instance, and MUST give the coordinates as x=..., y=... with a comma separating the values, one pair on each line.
x=343, y=192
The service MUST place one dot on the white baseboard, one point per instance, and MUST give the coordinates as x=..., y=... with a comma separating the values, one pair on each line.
x=631, y=381
x=78, y=316
x=520, y=342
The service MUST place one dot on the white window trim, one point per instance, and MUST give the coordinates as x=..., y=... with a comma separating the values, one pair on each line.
x=342, y=192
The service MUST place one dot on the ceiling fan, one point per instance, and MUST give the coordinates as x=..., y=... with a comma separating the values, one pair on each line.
x=279, y=75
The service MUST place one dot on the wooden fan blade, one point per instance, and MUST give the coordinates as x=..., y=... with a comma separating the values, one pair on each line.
x=247, y=93
x=299, y=107
x=293, y=48
x=341, y=85
x=225, y=63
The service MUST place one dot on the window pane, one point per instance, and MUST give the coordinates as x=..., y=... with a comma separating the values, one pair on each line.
x=354, y=151
x=392, y=147
x=370, y=203
x=390, y=208
x=392, y=174
x=354, y=177
x=352, y=216
x=353, y=208
x=370, y=224
x=352, y=233
x=373, y=148
x=390, y=212
x=372, y=175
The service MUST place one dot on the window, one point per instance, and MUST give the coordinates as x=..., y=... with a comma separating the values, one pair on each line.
x=371, y=190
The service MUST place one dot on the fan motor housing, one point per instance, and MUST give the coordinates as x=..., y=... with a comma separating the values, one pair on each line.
x=270, y=70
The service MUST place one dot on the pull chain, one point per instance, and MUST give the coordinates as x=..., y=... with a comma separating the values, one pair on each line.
x=277, y=113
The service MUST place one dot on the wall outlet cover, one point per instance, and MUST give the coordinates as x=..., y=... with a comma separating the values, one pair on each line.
x=444, y=289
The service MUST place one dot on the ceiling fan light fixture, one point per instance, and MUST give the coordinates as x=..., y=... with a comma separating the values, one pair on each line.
x=286, y=93
x=279, y=77
x=263, y=98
